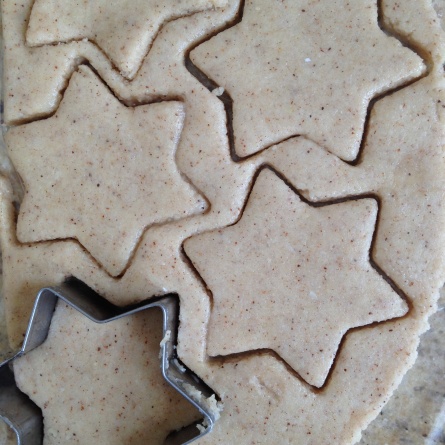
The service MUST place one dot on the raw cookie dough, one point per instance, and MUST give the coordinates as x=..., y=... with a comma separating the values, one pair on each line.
x=43, y=71
x=35, y=76
x=7, y=436
x=207, y=165
x=102, y=383
x=29, y=267
x=264, y=401
x=100, y=172
x=408, y=19
x=283, y=85
x=124, y=29
x=292, y=278
x=439, y=7
x=401, y=164
x=403, y=159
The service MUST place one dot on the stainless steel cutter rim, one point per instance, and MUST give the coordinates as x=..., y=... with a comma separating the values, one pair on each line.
x=100, y=310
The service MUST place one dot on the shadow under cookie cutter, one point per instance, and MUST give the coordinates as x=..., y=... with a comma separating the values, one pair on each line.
x=25, y=418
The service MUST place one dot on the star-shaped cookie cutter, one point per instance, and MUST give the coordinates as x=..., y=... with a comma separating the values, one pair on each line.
x=25, y=418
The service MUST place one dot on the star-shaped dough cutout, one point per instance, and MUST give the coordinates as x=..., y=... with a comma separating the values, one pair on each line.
x=124, y=29
x=292, y=278
x=111, y=388
x=289, y=67
x=100, y=172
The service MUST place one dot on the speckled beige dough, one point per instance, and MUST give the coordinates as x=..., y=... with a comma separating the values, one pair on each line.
x=409, y=19
x=265, y=68
x=29, y=267
x=30, y=67
x=400, y=167
x=35, y=76
x=105, y=379
x=123, y=29
x=208, y=166
x=406, y=132
x=7, y=436
x=292, y=278
x=114, y=175
x=439, y=7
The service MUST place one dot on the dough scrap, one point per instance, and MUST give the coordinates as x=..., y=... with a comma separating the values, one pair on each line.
x=292, y=278
x=100, y=172
x=108, y=381
x=266, y=66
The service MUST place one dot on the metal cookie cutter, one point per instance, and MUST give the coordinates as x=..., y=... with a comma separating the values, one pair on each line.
x=25, y=418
